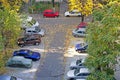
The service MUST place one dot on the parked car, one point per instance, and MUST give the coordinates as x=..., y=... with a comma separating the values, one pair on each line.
x=72, y=13
x=8, y=77
x=29, y=22
x=27, y=54
x=79, y=32
x=50, y=13
x=78, y=73
x=19, y=61
x=35, y=30
x=79, y=63
x=28, y=40
x=81, y=47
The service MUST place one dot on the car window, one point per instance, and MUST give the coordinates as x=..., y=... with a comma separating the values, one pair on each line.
x=78, y=61
x=13, y=78
x=34, y=31
x=29, y=31
x=28, y=39
x=80, y=32
x=76, y=71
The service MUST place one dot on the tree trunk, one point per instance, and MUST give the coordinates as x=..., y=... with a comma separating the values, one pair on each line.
x=82, y=18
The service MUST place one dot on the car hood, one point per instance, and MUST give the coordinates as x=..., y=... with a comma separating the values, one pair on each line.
x=42, y=32
x=27, y=61
x=36, y=54
x=71, y=73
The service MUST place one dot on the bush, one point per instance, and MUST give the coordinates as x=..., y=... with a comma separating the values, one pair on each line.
x=39, y=7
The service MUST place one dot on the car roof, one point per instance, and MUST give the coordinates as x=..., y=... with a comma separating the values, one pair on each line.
x=17, y=58
x=48, y=10
x=84, y=70
x=29, y=18
x=30, y=28
x=81, y=29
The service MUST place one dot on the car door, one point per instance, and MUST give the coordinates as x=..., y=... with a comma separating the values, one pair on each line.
x=51, y=14
x=71, y=13
x=28, y=41
x=19, y=64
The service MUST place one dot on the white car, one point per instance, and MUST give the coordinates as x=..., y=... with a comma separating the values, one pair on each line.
x=78, y=73
x=79, y=63
x=35, y=30
x=72, y=13
x=29, y=22
x=79, y=32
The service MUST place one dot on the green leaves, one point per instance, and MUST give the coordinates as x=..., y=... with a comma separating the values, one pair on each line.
x=101, y=38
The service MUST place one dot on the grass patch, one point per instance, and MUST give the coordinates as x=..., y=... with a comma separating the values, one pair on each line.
x=39, y=7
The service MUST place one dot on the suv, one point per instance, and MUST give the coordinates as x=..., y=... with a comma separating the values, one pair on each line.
x=26, y=40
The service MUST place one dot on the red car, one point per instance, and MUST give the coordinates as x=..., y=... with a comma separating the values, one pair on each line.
x=82, y=25
x=50, y=13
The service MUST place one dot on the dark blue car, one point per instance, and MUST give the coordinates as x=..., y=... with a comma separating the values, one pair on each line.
x=27, y=54
x=81, y=47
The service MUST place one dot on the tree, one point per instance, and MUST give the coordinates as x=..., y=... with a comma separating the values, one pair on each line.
x=102, y=36
x=83, y=6
x=10, y=26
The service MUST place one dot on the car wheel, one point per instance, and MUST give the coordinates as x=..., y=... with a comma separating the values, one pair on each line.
x=71, y=79
x=21, y=45
x=37, y=43
x=67, y=16
x=79, y=15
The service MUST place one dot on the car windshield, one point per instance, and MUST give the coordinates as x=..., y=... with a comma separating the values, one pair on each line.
x=82, y=44
x=78, y=61
x=13, y=78
x=76, y=71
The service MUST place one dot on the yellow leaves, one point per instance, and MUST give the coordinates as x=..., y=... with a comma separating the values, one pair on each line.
x=85, y=7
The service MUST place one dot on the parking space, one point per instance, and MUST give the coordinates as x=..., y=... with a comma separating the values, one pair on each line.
x=28, y=74
x=71, y=55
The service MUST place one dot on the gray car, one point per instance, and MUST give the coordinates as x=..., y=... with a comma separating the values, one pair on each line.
x=7, y=77
x=19, y=61
x=79, y=63
x=79, y=32
x=79, y=73
x=35, y=30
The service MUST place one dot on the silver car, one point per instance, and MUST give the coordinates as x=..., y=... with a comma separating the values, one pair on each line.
x=79, y=63
x=79, y=32
x=35, y=30
x=19, y=61
x=8, y=77
x=78, y=73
